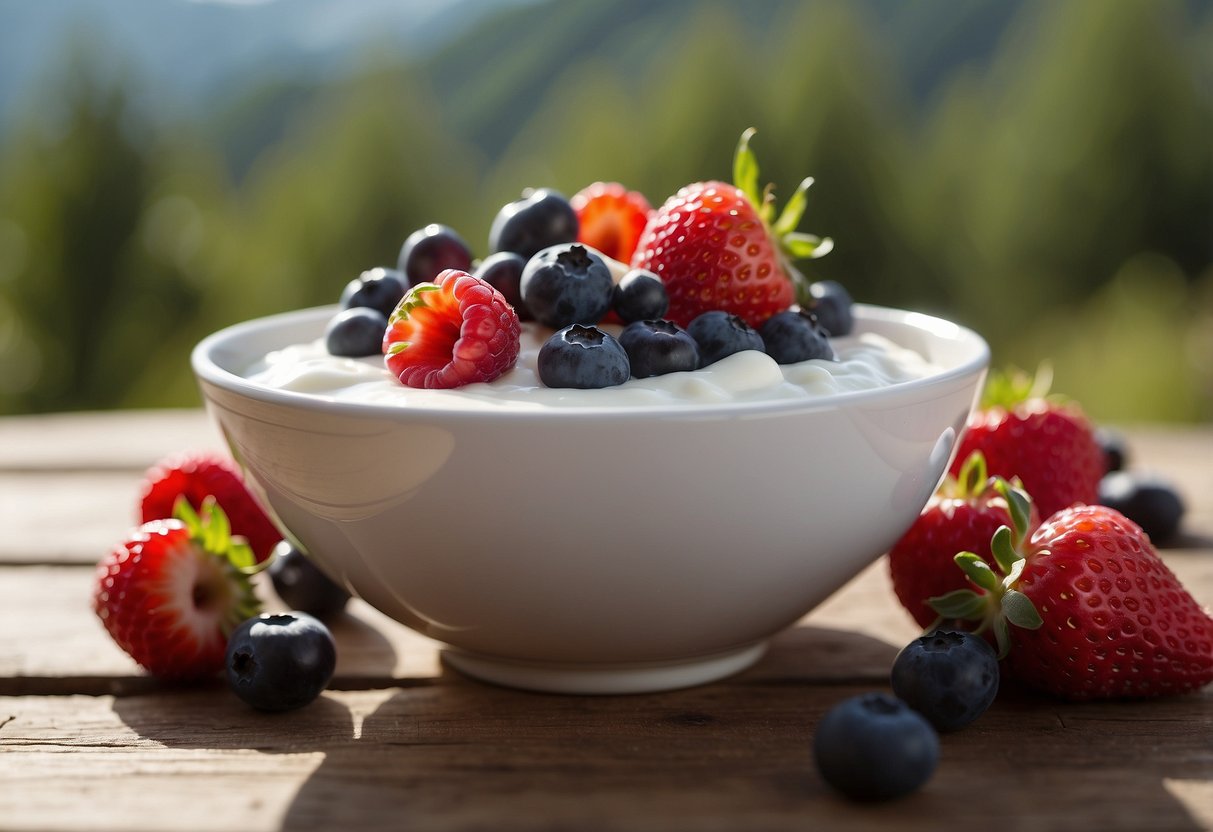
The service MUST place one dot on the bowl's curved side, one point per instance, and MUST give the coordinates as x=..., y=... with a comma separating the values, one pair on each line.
x=598, y=541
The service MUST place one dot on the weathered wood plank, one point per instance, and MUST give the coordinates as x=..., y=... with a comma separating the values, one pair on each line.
x=126, y=440
x=63, y=649
x=467, y=756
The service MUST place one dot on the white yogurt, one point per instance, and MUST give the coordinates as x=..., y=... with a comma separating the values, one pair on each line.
x=865, y=362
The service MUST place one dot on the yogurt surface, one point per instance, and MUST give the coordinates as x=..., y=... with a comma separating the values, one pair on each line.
x=866, y=361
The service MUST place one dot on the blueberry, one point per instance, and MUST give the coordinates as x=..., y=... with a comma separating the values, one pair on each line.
x=542, y=218
x=720, y=334
x=1115, y=449
x=793, y=335
x=655, y=348
x=566, y=284
x=1147, y=500
x=355, y=332
x=503, y=271
x=280, y=662
x=584, y=357
x=377, y=288
x=831, y=303
x=875, y=747
x=948, y=677
x=640, y=296
x=429, y=251
x=302, y=586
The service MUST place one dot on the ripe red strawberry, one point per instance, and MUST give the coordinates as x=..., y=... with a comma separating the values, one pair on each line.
x=962, y=516
x=197, y=476
x=170, y=594
x=611, y=218
x=718, y=246
x=454, y=331
x=1050, y=446
x=1085, y=608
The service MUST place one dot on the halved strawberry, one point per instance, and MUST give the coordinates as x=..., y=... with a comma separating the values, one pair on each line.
x=454, y=331
x=611, y=218
x=172, y=592
x=197, y=476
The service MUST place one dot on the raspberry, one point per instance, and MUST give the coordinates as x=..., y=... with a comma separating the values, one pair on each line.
x=454, y=331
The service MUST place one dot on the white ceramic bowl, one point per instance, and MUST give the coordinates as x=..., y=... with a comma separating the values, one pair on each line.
x=596, y=550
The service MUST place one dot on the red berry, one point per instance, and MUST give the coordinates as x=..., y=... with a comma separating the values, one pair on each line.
x=1085, y=609
x=1117, y=622
x=611, y=218
x=962, y=516
x=170, y=594
x=1051, y=448
x=712, y=251
x=454, y=331
x=197, y=476
x=718, y=246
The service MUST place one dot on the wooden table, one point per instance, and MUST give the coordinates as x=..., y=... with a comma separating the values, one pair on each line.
x=87, y=741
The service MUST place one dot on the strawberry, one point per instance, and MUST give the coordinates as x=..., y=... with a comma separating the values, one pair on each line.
x=962, y=515
x=454, y=331
x=170, y=594
x=611, y=218
x=1084, y=608
x=1049, y=445
x=197, y=476
x=718, y=246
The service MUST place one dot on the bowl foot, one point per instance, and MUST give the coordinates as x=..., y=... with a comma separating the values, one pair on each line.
x=642, y=677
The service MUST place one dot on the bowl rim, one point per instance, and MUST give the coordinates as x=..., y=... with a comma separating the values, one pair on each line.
x=207, y=370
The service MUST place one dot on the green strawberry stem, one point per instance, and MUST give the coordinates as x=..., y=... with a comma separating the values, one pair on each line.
x=998, y=604
x=211, y=528
x=792, y=244
x=1013, y=386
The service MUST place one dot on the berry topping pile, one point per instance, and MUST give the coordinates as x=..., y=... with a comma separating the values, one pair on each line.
x=604, y=258
x=454, y=331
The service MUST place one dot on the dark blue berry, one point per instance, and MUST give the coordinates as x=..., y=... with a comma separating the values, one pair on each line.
x=355, y=332
x=429, y=251
x=640, y=296
x=567, y=284
x=720, y=334
x=831, y=303
x=1115, y=449
x=302, y=586
x=379, y=289
x=280, y=662
x=949, y=677
x=875, y=747
x=655, y=348
x=503, y=271
x=584, y=357
x=792, y=336
x=1147, y=500
x=542, y=218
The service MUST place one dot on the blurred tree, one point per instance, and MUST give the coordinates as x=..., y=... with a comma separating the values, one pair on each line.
x=73, y=190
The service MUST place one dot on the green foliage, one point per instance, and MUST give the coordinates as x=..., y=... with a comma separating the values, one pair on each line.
x=1055, y=190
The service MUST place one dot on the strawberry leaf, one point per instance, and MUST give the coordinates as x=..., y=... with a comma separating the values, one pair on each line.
x=1002, y=636
x=789, y=218
x=959, y=603
x=978, y=571
x=973, y=474
x=1003, y=550
x=1019, y=610
x=745, y=168
x=806, y=246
